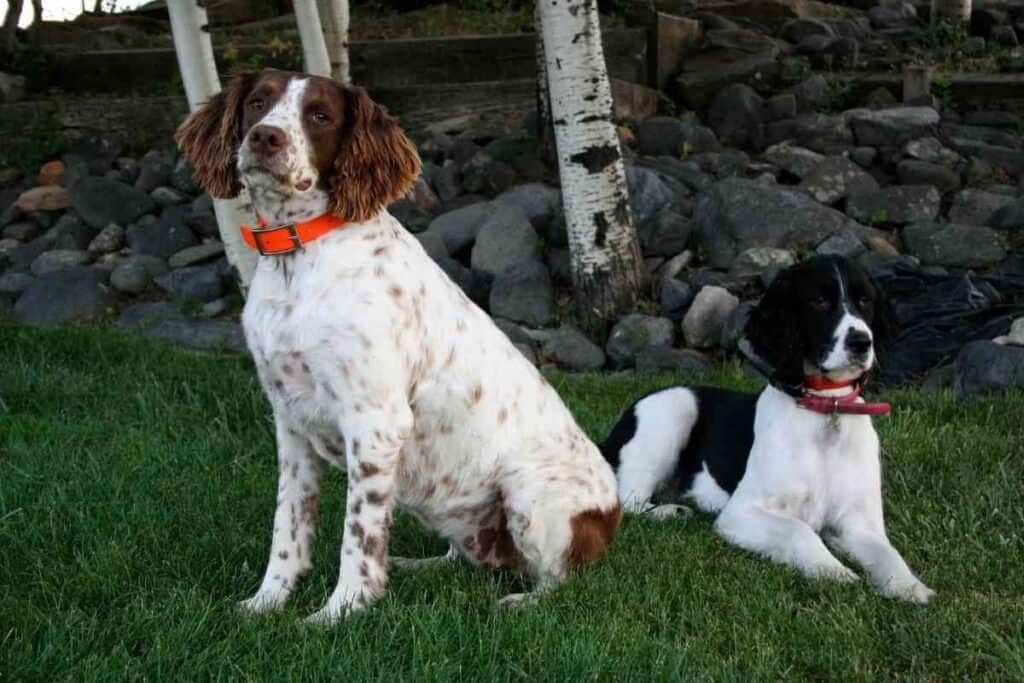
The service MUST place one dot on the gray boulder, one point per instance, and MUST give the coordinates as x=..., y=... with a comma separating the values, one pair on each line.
x=505, y=238
x=195, y=283
x=571, y=349
x=976, y=207
x=703, y=323
x=913, y=172
x=647, y=192
x=798, y=161
x=634, y=333
x=102, y=201
x=835, y=178
x=538, y=201
x=458, y=228
x=1010, y=216
x=948, y=244
x=737, y=214
x=983, y=367
x=660, y=359
x=893, y=127
x=190, y=256
x=109, y=239
x=165, y=322
x=59, y=259
x=163, y=239
x=898, y=204
x=736, y=115
x=522, y=293
x=62, y=296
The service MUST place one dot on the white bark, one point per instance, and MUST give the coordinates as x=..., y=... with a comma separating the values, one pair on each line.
x=334, y=15
x=314, y=49
x=604, y=253
x=951, y=10
x=199, y=74
x=545, y=135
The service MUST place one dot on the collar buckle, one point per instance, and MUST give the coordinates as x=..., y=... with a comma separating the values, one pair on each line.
x=293, y=235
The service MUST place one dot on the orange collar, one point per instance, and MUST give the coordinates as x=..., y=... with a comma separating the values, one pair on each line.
x=288, y=237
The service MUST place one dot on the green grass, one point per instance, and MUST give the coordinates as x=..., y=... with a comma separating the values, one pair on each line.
x=137, y=483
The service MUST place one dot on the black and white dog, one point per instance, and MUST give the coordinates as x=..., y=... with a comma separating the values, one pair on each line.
x=799, y=459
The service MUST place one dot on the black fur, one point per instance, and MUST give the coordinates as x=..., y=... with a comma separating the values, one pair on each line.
x=721, y=438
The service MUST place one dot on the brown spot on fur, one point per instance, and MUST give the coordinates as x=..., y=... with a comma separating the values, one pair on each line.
x=364, y=569
x=311, y=509
x=592, y=532
x=396, y=291
x=375, y=548
x=379, y=251
x=476, y=395
x=369, y=469
x=357, y=530
x=375, y=497
x=283, y=554
x=502, y=415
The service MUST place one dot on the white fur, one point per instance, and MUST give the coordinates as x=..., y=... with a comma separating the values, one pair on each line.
x=374, y=361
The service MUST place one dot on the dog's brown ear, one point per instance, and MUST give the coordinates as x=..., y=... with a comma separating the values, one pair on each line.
x=209, y=138
x=376, y=163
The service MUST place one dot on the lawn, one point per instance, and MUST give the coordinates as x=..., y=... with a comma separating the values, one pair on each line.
x=137, y=484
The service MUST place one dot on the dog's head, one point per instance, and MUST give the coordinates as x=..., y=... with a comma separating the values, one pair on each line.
x=293, y=134
x=823, y=316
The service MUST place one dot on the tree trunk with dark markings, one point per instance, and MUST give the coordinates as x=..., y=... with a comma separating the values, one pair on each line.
x=604, y=252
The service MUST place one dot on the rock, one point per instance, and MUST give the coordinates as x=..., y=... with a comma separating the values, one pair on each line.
x=446, y=181
x=155, y=169
x=570, y=349
x=795, y=160
x=164, y=321
x=94, y=153
x=945, y=244
x=817, y=132
x=845, y=243
x=194, y=283
x=201, y=218
x=72, y=233
x=736, y=114
x=484, y=175
x=1005, y=36
x=162, y=239
x=647, y=193
x=753, y=261
x=432, y=244
x=635, y=333
x=668, y=136
x=976, y=207
x=912, y=172
x=1014, y=338
x=64, y=295
x=537, y=201
x=675, y=297
x=12, y=284
x=168, y=196
x=1010, y=216
x=182, y=177
x=893, y=15
x=811, y=93
x=59, y=259
x=413, y=218
x=522, y=292
x=795, y=30
x=190, y=256
x=983, y=367
x=459, y=228
x=702, y=324
x=109, y=239
x=898, y=205
x=735, y=327
x=863, y=156
x=659, y=359
x=738, y=214
x=835, y=178
x=892, y=127
x=24, y=231
x=12, y=88
x=43, y=198
x=931, y=150
x=133, y=274
x=21, y=257
x=667, y=234
x=1009, y=159
x=102, y=201
x=782, y=106
x=505, y=238
x=703, y=75
x=51, y=173
x=476, y=285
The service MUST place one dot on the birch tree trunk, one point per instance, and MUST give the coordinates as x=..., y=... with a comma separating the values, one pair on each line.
x=10, y=25
x=951, y=10
x=199, y=74
x=334, y=15
x=603, y=250
x=544, y=132
x=314, y=49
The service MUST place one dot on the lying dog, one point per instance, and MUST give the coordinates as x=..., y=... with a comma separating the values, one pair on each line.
x=374, y=361
x=798, y=459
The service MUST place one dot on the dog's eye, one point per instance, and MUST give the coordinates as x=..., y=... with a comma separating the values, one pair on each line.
x=821, y=303
x=321, y=118
x=256, y=104
x=865, y=301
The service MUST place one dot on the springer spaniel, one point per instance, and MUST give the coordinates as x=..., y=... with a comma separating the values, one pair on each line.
x=374, y=361
x=800, y=458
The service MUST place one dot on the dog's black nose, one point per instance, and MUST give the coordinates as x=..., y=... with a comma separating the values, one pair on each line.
x=858, y=341
x=267, y=141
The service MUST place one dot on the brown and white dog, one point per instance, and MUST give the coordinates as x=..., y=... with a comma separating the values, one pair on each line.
x=374, y=361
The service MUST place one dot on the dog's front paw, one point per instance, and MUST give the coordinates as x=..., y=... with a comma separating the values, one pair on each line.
x=328, y=615
x=518, y=601
x=670, y=511
x=910, y=591
x=263, y=602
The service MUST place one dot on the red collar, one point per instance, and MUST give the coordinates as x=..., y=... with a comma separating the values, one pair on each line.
x=288, y=237
x=838, y=405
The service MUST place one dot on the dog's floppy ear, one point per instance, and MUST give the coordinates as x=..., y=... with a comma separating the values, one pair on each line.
x=773, y=329
x=209, y=138
x=885, y=326
x=376, y=163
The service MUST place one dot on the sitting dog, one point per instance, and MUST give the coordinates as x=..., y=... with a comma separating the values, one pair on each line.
x=374, y=361
x=800, y=458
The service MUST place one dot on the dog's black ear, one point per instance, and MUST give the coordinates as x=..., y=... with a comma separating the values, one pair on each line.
x=885, y=326
x=774, y=331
